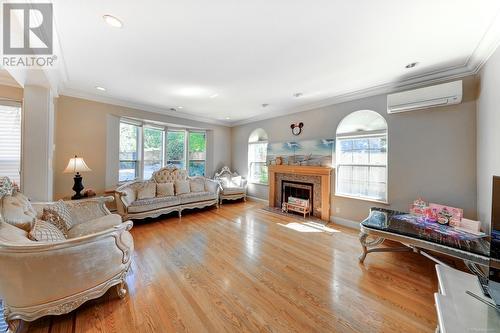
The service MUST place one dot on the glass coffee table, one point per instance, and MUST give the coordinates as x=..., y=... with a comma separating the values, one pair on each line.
x=418, y=235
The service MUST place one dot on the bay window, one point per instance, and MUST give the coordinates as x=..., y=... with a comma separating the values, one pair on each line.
x=197, y=153
x=145, y=148
x=129, y=152
x=176, y=148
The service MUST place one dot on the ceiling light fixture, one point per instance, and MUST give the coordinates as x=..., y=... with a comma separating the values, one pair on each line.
x=173, y=109
x=228, y=118
x=411, y=65
x=100, y=88
x=112, y=21
x=297, y=95
x=180, y=107
x=265, y=105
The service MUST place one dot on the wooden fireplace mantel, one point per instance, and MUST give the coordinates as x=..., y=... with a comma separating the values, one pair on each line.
x=324, y=172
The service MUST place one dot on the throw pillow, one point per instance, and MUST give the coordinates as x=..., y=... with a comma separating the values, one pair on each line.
x=147, y=191
x=197, y=185
x=44, y=231
x=165, y=189
x=181, y=187
x=17, y=211
x=226, y=182
x=64, y=212
x=53, y=218
x=236, y=181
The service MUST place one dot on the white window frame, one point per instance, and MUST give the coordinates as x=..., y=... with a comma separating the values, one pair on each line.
x=250, y=179
x=140, y=144
x=364, y=135
x=140, y=152
x=187, y=150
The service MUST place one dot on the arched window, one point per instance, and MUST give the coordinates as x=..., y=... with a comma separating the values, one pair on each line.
x=257, y=154
x=361, y=156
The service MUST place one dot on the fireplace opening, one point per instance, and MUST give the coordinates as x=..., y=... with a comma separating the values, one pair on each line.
x=298, y=190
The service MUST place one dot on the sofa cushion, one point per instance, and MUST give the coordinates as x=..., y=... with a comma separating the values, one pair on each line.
x=233, y=190
x=146, y=191
x=94, y=226
x=197, y=196
x=54, y=218
x=145, y=205
x=44, y=231
x=11, y=234
x=165, y=189
x=17, y=211
x=61, y=209
x=197, y=185
x=182, y=187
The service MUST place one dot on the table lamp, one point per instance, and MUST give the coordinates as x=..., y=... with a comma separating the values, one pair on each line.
x=77, y=165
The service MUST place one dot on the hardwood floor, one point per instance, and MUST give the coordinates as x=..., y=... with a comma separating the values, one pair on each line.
x=242, y=269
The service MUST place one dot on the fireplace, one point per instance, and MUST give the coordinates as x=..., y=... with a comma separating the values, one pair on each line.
x=301, y=182
x=300, y=190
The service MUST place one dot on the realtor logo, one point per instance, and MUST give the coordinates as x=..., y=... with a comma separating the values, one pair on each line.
x=27, y=29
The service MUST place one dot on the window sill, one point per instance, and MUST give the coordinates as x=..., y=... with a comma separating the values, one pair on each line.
x=363, y=199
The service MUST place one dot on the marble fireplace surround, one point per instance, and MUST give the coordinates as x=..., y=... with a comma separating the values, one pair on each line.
x=319, y=176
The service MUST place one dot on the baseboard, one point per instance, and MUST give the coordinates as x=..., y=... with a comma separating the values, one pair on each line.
x=258, y=199
x=345, y=222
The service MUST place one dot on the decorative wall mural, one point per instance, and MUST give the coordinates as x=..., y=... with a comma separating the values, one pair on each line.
x=307, y=152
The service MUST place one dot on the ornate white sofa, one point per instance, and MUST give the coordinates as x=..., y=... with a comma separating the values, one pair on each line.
x=129, y=206
x=233, y=185
x=52, y=278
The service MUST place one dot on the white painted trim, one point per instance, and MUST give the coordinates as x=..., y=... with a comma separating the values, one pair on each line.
x=345, y=222
x=140, y=107
x=258, y=199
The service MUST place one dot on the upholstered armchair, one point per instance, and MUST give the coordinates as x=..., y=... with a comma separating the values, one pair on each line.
x=40, y=278
x=233, y=185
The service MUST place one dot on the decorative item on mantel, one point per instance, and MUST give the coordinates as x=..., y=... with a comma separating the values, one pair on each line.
x=318, y=152
x=77, y=165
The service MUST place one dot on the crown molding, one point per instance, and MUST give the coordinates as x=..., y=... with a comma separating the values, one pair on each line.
x=139, y=106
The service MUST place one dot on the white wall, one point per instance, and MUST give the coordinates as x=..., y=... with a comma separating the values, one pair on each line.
x=431, y=152
x=488, y=135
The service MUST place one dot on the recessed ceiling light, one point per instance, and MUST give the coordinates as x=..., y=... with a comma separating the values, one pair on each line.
x=214, y=95
x=297, y=95
x=113, y=21
x=173, y=109
x=180, y=107
x=411, y=65
x=100, y=88
x=265, y=105
x=228, y=118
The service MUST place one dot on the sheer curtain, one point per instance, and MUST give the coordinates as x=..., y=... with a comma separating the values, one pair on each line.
x=10, y=141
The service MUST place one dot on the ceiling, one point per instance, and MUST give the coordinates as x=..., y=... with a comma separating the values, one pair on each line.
x=183, y=53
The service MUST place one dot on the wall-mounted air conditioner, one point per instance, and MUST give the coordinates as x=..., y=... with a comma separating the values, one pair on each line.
x=423, y=98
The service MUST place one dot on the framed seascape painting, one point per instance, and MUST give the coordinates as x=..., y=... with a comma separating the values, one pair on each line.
x=318, y=152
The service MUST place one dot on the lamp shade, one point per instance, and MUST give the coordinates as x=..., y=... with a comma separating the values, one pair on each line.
x=76, y=164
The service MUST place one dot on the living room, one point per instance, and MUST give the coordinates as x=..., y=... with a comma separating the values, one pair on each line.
x=228, y=166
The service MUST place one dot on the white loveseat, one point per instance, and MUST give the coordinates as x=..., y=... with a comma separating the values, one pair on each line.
x=130, y=205
x=40, y=278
